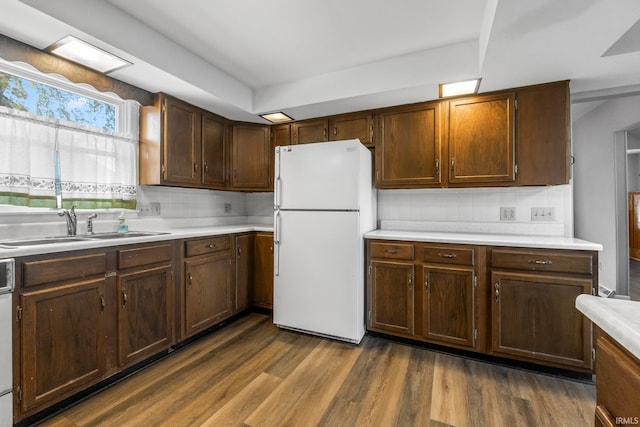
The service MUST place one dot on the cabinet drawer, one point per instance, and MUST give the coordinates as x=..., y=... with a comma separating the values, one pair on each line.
x=391, y=250
x=206, y=246
x=448, y=255
x=542, y=260
x=136, y=257
x=54, y=270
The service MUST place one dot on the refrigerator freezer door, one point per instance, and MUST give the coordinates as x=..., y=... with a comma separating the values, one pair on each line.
x=323, y=176
x=319, y=287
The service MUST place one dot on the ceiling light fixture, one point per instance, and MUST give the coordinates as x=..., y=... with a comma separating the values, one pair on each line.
x=459, y=88
x=79, y=51
x=278, y=117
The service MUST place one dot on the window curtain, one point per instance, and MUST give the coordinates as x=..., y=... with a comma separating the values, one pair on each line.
x=96, y=169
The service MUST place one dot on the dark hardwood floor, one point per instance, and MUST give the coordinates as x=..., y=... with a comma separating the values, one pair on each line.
x=254, y=374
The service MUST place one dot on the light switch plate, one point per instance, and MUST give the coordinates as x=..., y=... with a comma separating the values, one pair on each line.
x=543, y=214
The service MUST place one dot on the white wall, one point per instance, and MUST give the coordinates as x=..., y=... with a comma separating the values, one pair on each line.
x=594, y=176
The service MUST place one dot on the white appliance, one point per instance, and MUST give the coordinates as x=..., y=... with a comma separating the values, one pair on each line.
x=7, y=281
x=324, y=202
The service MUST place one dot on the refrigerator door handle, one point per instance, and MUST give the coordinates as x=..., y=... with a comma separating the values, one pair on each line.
x=276, y=245
x=278, y=190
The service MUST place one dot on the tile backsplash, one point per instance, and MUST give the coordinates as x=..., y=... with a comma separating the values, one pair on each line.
x=473, y=210
x=477, y=210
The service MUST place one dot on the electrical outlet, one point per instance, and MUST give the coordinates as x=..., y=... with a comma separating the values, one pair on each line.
x=227, y=207
x=507, y=214
x=543, y=214
x=151, y=209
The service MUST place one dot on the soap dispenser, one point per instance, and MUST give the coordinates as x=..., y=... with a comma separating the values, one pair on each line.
x=121, y=225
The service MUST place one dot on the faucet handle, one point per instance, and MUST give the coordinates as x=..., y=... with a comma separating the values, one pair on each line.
x=90, y=219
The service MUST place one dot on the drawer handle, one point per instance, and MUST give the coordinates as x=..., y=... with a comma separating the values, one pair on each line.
x=540, y=261
x=124, y=297
x=211, y=245
x=190, y=277
x=444, y=255
x=497, y=288
x=391, y=251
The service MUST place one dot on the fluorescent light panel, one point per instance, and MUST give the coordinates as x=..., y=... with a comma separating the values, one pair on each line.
x=278, y=117
x=459, y=88
x=86, y=54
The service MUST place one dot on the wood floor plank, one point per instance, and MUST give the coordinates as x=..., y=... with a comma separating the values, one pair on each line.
x=252, y=374
x=314, y=383
x=208, y=400
x=415, y=402
x=244, y=403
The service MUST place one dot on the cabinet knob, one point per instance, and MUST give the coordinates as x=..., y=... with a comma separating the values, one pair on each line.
x=206, y=167
x=410, y=282
x=195, y=167
x=497, y=287
x=190, y=277
x=124, y=297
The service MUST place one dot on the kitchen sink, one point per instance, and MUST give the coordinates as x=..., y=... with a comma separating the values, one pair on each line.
x=113, y=235
x=45, y=241
x=80, y=238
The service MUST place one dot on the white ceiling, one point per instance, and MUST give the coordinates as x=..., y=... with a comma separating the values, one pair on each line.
x=310, y=58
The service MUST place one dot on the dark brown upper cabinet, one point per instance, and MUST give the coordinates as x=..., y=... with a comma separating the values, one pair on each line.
x=408, y=146
x=181, y=145
x=481, y=139
x=251, y=158
x=308, y=131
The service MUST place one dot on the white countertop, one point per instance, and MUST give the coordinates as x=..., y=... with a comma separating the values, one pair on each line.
x=172, y=234
x=617, y=317
x=527, y=241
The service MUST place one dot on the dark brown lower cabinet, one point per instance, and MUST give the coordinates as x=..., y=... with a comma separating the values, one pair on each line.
x=243, y=271
x=62, y=337
x=391, y=297
x=516, y=303
x=534, y=317
x=144, y=313
x=448, y=305
x=207, y=291
x=262, y=290
x=617, y=384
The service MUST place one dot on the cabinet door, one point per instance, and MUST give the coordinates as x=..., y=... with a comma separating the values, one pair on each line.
x=481, y=139
x=391, y=296
x=543, y=130
x=534, y=316
x=309, y=131
x=281, y=135
x=244, y=270
x=144, y=313
x=251, y=157
x=448, y=305
x=214, y=151
x=408, y=147
x=350, y=126
x=207, y=291
x=263, y=271
x=63, y=341
x=182, y=138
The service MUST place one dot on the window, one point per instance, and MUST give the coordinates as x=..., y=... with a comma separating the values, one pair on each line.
x=23, y=94
x=58, y=138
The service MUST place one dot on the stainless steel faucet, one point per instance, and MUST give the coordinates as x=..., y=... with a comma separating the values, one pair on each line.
x=72, y=220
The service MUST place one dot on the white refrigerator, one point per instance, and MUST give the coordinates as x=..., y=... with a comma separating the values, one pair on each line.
x=324, y=202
